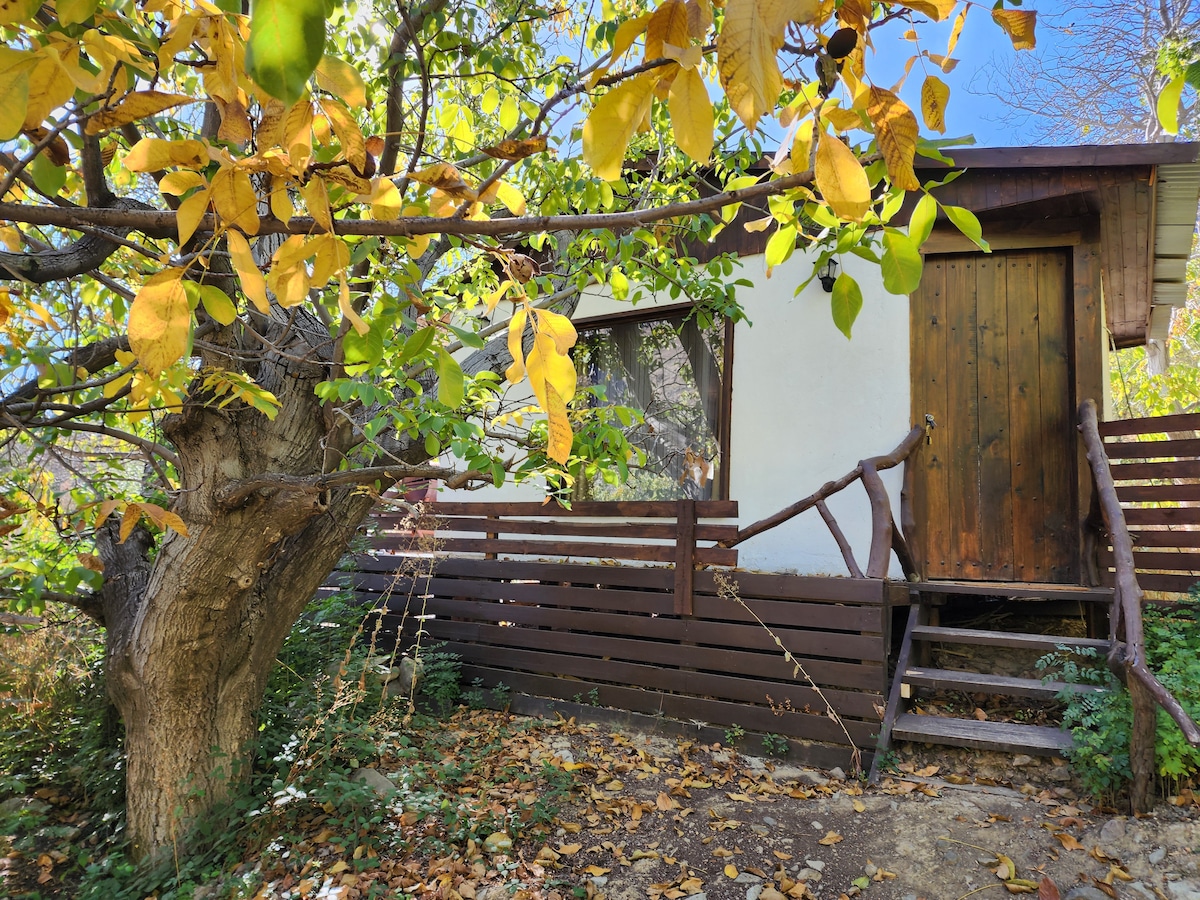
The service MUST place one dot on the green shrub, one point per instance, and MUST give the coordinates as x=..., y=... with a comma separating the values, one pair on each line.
x=1101, y=722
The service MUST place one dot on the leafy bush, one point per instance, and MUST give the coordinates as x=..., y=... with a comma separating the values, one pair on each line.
x=1101, y=722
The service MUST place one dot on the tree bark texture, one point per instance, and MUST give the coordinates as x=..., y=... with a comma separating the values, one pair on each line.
x=192, y=638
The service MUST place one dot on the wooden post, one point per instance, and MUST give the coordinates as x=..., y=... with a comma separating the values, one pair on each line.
x=685, y=551
x=881, y=520
x=1142, y=740
x=840, y=537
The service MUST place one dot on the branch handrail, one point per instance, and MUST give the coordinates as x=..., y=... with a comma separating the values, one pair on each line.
x=884, y=534
x=1126, y=620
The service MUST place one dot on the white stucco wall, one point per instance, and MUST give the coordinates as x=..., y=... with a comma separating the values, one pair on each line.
x=808, y=404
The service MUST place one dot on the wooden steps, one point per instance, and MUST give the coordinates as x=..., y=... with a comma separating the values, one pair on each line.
x=975, y=682
x=1017, y=590
x=1038, y=740
x=1017, y=641
x=913, y=674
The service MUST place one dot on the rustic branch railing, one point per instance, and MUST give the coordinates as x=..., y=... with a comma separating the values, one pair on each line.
x=885, y=536
x=1128, y=656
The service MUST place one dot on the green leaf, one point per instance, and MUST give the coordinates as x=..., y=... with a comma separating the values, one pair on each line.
x=217, y=304
x=362, y=351
x=964, y=220
x=450, y=379
x=847, y=303
x=418, y=342
x=47, y=176
x=902, y=262
x=469, y=338
x=72, y=12
x=920, y=224
x=781, y=246
x=287, y=40
x=1168, y=104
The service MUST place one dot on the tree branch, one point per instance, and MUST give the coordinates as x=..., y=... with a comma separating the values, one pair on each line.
x=84, y=255
x=157, y=223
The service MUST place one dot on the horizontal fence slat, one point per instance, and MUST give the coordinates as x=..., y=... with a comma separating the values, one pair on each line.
x=1176, y=537
x=1158, y=560
x=754, y=718
x=1152, y=449
x=1152, y=581
x=1158, y=493
x=793, y=613
x=630, y=509
x=661, y=553
x=826, y=673
x=1183, y=515
x=571, y=573
x=813, y=588
x=680, y=681
x=1163, y=471
x=613, y=528
x=1152, y=424
x=806, y=642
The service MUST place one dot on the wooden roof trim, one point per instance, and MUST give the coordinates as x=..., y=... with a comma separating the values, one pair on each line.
x=1079, y=156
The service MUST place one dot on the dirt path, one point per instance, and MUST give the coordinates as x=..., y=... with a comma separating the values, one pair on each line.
x=664, y=819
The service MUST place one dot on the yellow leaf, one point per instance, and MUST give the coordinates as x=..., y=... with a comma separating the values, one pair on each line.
x=354, y=145
x=234, y=199
x=179, y=183
x=802, y=148
x=935, y=9
x=1068, y=841
x=281, y=201
x=316, y=198
x=254, y=285
x=959, y=21
x=841, y=119
x=159, y=321
x=447, y=179
x=270, y=124
x=516, y=335
x=692, y=115
x=859, y=806
x=50, y=86
x=15, y=67
x=935, y=94
x=296, y=133
x=611, y=124
x=517, y=149
x=896, y=130
x=628, y=32
x=155, y=154
x=559, y=327
x=497, y=295
x=347, y=307
x=596, y=871
x=1019, y=25
x=830, y=839
x=731, y=871
x=746, y=48
x=385, y=200
x=342, y=80
x=137, y=105
x=164, y=518
x=506, y=193
x=133, y=512
x=668, y=25
x=559, y=438
x=189, y=215
x=331, y=255
x=548, y=367
x=235, y=122
x=841, y=180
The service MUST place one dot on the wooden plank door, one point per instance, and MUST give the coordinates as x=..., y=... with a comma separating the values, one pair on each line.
x=994, y=494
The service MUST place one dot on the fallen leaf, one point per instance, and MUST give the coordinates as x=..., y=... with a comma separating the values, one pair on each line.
x=1048, y=890
x=779, y=854
x=830, y=839
x=731, y=871
x=859, y=806
x=1068, y=841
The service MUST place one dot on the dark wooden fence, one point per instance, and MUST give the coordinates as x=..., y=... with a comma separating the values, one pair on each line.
x=1156, y=468
x=502, y=586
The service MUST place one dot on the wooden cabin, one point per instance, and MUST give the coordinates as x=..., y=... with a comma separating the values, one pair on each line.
x=957, y=411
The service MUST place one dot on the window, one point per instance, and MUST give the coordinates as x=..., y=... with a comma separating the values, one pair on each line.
x=672, y=370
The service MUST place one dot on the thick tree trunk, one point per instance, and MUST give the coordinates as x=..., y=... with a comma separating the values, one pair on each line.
x=192, y=639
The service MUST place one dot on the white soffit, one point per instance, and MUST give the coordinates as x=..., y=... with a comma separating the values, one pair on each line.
x=1177, y=192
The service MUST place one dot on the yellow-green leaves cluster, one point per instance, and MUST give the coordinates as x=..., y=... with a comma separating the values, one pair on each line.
x=549, y=368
